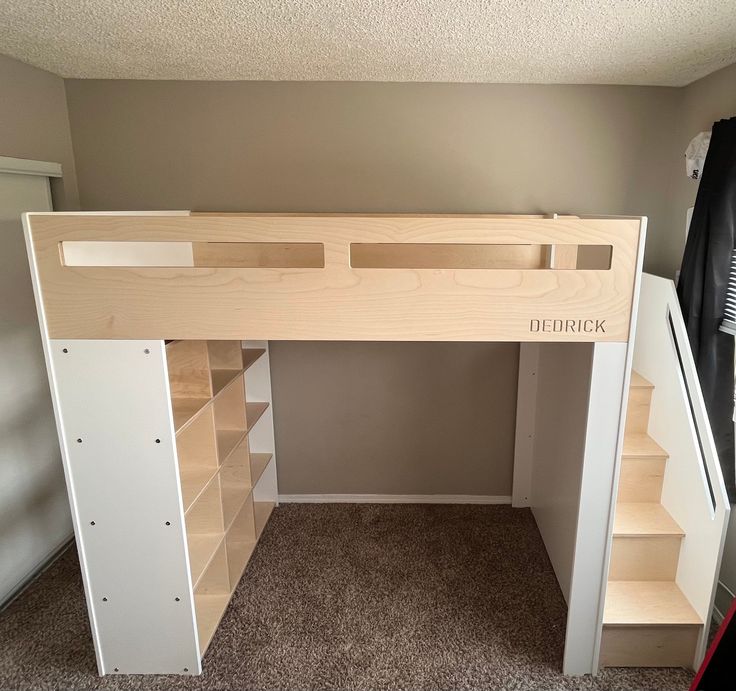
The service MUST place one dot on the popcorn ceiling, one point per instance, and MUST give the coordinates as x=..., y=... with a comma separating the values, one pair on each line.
x=652, y=42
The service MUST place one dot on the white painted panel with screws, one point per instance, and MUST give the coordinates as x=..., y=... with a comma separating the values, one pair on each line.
x=118, y=443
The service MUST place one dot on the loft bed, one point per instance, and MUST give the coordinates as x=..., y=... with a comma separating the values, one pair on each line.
x=164, y=417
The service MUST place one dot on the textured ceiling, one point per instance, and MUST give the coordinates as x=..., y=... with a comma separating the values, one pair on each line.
x=666, y=42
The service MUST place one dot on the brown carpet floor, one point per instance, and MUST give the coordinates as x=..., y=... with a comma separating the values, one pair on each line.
x=410, y=597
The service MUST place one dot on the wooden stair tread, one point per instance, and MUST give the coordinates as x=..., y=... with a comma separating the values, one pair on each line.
x=647, y=603
x=638, y=382
x=644, y=519
x=642, y=446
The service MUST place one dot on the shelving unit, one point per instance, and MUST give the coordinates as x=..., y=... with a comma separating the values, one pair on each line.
x=219, y=474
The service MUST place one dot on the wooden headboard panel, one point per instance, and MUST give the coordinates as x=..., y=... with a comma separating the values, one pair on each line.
x=335, y=277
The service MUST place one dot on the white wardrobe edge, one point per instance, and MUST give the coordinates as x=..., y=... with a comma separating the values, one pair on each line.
x=26, y=166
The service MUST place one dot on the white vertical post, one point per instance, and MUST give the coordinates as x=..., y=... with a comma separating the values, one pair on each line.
x=526, y=410
x=261, y=437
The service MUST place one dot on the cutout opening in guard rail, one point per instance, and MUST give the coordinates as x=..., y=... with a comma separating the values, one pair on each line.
x=216, y=255
x=393, y=255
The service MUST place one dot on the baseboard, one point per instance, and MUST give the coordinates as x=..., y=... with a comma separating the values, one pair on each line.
x=36, y=571
x=392, y=499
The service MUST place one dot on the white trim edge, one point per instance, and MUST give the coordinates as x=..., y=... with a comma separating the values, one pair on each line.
x=526, y=414
x=392, y=499
x=25, y=166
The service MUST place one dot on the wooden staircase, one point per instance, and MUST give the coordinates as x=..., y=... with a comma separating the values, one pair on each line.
x=647, y=621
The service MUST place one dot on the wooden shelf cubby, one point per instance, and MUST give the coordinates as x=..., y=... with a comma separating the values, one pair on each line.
x=228, y=484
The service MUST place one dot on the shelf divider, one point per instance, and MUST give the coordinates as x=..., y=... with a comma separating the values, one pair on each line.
x=202, y=548
x=250, y=355
x=186, y=409
x=262, y=511
x=253, y=412
x=209, y=609
x=258, y=463
x=222, y=378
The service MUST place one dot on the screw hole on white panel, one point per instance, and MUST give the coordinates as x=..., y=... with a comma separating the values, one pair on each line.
x=91, y=522
x=146, y=351
x=116, y=669
x=158, y=441
x=79, y=441
x=168, y=522
x=177, y=599
x=186, y=669
x=65, y=350
x=104, y=599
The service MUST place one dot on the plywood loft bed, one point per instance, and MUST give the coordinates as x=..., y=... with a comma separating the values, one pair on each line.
x=156, y=330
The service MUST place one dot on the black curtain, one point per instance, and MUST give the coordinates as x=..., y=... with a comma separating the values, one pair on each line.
x=702, y=288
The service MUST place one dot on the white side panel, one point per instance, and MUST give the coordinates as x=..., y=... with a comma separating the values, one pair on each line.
x=261, y=437
x=578, y=432
x=559, y=448
x=117, y=437
x=678, y=422
x=603, y=437
x=526, y=410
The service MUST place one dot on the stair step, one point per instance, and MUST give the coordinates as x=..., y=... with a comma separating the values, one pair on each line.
x=647, y=603
x=646, y=543
x=637, y=410
x=638, y=445
x=649, y=558
x=638, y=382
x=644, y=519
x=641, y=480
x=649, y=646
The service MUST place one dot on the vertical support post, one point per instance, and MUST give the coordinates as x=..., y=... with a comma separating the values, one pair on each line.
x=526, y=411
x=261, y=438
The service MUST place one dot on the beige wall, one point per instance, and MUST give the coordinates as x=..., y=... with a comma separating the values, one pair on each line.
x=34, y=511
x=394, y=418
x=279, y=146
x=34, y=124
x=266, y=146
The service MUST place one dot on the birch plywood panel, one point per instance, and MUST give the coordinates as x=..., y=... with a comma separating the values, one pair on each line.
x=339, y=301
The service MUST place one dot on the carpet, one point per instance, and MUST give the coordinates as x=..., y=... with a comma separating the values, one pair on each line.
x=349, y=597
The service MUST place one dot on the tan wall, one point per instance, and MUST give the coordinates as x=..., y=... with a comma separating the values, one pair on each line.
x=394, y=418
x=34, y=511
x=379, y=147
x=34, y=124
x=310, y=146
